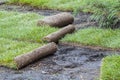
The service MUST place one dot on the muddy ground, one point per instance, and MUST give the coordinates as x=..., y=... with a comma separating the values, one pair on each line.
x=68, y=63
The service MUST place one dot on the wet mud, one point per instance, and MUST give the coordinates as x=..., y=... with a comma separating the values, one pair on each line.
x=68, y=63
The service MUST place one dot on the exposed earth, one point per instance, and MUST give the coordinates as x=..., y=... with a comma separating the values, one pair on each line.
x=68, y=63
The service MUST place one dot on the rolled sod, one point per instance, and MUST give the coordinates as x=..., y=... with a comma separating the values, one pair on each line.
x=58, y=20
x=25, y=59
x=54, y=37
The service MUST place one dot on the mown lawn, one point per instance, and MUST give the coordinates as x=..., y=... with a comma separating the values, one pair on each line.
x=20, y=26
x=11, y=48
x=108, y=38
x=110, y=69
x=72, y=5
x=19, y=34
x=50, y=4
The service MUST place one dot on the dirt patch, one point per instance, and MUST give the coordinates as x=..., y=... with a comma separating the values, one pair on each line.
x=68, y=63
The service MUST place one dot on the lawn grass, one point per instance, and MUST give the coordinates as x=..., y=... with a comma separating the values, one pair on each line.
x=20, y=26
x=71, y=5
x=19, y=34
x=107, y=38
x=12, y=48
x=110, y=69
x=51, y=4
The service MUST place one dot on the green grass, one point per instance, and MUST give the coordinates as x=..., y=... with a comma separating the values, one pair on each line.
x=19, y=26
x=110, y=69
x=53, y=4
x=12, y=48
x=96, y=37
x=73, y=5
x=19, y=34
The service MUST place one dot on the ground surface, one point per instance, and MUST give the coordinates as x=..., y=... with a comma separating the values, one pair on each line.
x=68, y=63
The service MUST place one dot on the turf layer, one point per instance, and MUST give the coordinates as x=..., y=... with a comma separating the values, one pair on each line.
x=19, y=34
x=107, y=38
x=110, y=69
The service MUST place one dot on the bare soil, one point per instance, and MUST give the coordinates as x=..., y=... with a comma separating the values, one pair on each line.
x=68, y=63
